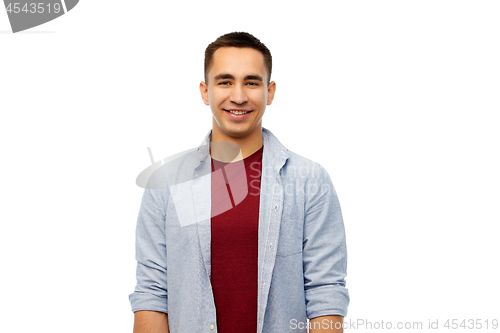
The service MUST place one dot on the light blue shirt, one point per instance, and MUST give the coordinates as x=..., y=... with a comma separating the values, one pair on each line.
x=302, y=256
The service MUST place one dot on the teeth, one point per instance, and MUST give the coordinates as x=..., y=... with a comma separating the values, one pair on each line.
x=238, y=112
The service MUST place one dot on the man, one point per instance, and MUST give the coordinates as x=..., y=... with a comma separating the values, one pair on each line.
x=239, y=240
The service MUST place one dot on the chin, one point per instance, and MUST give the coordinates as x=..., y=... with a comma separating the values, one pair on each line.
x=236, y=132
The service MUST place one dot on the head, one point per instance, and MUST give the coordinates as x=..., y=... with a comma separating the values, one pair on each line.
x=237, y=79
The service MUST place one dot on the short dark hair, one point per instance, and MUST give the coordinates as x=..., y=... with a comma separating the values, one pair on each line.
x=241, y=40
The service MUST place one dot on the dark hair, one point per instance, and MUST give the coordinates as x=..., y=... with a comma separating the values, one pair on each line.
x=241, y=40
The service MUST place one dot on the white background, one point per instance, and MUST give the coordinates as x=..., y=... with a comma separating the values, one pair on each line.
x=398, y=100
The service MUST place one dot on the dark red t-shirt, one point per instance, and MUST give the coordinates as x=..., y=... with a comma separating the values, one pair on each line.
x=235, y=235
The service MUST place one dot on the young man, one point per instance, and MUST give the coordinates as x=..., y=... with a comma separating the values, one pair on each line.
x=241, y=234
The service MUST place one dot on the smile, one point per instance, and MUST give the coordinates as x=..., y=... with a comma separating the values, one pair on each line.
x=237, y=112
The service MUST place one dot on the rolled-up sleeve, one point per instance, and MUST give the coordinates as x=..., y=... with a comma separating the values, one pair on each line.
x=151, y=289
x=324, y=250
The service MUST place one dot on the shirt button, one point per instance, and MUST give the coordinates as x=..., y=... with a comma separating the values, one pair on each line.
x=276, y=207
x=212, y=326
x=271, y=245
x=210, y=286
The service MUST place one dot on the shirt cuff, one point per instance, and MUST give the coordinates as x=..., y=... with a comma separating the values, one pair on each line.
x=326, y=301
x=145, y=301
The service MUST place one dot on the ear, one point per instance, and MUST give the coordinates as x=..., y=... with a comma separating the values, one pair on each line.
x=271, y=89
x=204, y=92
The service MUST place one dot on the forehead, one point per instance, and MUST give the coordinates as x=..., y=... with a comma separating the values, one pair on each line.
x=238, y=62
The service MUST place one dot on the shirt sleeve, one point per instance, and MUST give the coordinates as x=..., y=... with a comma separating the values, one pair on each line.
x=324, y=250
x=151, y=289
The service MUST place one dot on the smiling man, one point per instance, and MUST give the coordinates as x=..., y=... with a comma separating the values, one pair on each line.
x=261, y=261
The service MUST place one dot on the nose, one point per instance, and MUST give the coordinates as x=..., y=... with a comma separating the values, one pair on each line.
x=238, y=95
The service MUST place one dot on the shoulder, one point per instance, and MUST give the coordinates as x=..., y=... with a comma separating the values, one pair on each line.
x=304, y=168
x=172, y=170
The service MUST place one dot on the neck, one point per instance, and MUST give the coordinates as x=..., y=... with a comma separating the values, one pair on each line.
x=248, y=144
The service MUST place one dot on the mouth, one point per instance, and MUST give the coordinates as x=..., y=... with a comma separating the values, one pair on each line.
x=237, y=112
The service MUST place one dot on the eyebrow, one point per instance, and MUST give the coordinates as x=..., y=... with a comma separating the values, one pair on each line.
x=253, y=77
x=226, y=76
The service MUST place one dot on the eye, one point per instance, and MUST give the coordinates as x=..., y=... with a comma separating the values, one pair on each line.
x=253, y=84
x=224, y=83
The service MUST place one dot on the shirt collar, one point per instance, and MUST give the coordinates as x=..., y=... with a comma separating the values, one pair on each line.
x=271, y=143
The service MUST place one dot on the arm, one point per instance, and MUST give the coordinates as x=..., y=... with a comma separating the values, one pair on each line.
x=150, y=322
x=327, y=324
x=150, y=298
x=324, y=250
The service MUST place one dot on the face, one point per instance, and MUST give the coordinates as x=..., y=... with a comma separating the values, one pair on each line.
x=237, y=82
